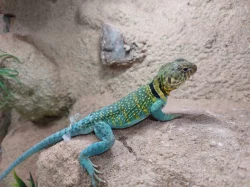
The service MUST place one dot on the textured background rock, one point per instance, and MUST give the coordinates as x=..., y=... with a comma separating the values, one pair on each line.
x=117, y=49
x=213, y=34
x=41, y=93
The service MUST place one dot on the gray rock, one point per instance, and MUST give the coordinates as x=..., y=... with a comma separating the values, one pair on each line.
x=116, y=49
x=4, y=124
x=41, y=93
x=5, y=22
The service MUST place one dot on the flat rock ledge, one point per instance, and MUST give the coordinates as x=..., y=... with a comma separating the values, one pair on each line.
x=196, y=150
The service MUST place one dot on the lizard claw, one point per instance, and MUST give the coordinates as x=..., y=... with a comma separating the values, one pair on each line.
x=97, y=171
x=177, y=116
x=95, y=166
x=172, y=116
x=95, y=176
x=99, y=179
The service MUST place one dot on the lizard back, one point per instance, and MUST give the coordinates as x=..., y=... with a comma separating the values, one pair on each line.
x=129, y=110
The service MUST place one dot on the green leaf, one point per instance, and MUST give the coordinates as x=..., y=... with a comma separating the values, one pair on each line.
x=6, y=55
x=15, y=185
x=8, y=72
x=32, y=182
x=19, y=181
x=5, y=97
x=4, y=88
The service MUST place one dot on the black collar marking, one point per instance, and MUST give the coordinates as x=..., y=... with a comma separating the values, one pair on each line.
x=154, y=92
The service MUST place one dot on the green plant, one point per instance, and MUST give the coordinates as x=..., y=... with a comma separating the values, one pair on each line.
x=7, y=73
x=20, y=183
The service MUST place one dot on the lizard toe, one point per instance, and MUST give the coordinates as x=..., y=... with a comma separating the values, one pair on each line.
x=95, y=166
x=99, y=179
x=97, y=171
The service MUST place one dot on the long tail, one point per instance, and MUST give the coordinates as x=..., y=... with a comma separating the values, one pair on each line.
x=50, y=140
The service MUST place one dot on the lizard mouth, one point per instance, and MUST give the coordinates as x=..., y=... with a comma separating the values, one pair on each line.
x=184, y=77
x=175, y=83
x=188, y=74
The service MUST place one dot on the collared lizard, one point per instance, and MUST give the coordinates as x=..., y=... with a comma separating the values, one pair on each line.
x=147, y=100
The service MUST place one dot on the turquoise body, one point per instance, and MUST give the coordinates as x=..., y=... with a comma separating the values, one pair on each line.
x=126, y=112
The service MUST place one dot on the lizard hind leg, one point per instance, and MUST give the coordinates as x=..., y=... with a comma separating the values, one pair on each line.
x=104, y=132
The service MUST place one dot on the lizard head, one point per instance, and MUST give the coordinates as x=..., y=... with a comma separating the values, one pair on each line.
x=174, y=74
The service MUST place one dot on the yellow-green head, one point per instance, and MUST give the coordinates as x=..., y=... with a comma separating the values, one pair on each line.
x=174, y=74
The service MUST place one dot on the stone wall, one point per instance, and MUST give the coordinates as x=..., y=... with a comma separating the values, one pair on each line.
x=213, y=34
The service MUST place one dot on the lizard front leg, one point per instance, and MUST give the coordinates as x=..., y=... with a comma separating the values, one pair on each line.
x=156, y=111
x=104, y=132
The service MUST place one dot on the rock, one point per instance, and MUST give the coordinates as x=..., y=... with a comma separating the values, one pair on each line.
x=174, y=153
x=41, y=93
x=6, y=20
x=143, y=155
x=116, y=49
x=69, y=32
x=4, y=124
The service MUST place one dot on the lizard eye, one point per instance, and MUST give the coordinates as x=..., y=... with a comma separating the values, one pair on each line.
x=185, y=69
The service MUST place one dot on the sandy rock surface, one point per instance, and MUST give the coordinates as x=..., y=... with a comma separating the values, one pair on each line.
x=212, y=34
x=208, y=146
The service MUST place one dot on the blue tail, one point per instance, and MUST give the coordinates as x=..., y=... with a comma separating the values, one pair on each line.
x=54, y=138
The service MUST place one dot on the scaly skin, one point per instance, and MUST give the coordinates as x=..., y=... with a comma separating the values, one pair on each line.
x=147, y=100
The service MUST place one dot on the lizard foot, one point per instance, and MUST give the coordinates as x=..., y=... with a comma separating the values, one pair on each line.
x=92, y=171
x=96, y=174
x=95, y=166
x=99, y=179
x=96, y=179
x=169, y=117
x=174, y=116
x=104, y=132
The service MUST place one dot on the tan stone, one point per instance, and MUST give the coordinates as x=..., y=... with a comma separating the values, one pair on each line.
x=206, y=147
x=212, y=34
x=41, y=93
